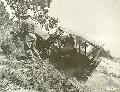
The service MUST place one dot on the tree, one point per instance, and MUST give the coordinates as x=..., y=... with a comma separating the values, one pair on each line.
x=4, y=22
x=39, y=8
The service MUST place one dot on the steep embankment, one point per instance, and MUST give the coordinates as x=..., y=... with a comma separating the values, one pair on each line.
x=41, y=76
x=35, y=76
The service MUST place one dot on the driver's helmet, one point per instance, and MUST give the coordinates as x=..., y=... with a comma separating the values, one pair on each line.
x=28, y=22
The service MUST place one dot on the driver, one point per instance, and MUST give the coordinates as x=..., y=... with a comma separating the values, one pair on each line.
x=28, y=28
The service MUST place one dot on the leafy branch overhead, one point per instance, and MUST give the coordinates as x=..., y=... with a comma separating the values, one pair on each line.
x=39, y=9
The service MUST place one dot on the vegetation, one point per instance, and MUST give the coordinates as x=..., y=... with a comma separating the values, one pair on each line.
x=39, y=75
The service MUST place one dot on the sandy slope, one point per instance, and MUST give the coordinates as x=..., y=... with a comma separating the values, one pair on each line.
x=106, y=77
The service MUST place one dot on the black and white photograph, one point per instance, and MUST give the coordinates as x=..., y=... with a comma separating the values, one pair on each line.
x=59, y=45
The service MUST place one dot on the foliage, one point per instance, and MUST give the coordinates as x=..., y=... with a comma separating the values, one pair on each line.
x=4, y=21
x=4, y=16
x=39, y=8
x=5, y=27
x=38, y=75
x=8, y=42
x=21, y=7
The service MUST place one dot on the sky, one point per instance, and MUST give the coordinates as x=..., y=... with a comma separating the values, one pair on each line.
x=97, y=19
